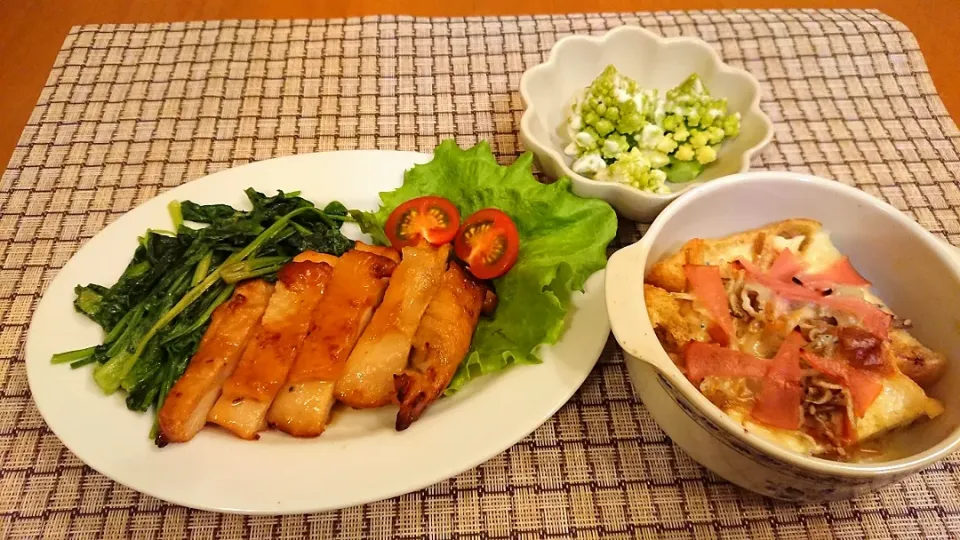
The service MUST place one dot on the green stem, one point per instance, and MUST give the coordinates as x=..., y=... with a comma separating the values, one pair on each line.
x=195, y=293
x=122, y=341
x=301, y=229
x=81, y=363
x=262, y=266
x=72, y=356
x=203, y=268
x=221, y=298
x=250, y=274
x=118, y=328
x=266, y=235
x=284, y=234
x=175, y=214
x=326, y=219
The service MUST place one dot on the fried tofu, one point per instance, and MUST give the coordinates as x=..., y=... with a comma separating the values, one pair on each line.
x=184, y=411
x=384, y=347
x=668, y=272
x=356, y=288
x=900, y=403
x=440, y=344
x=915, y=360
x=762, y=316
x=266, y=361
x=673, y=319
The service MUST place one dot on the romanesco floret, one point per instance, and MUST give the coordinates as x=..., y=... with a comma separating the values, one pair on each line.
x=698, y=139
x=692, y=115
x=615, y=145
x=731, y=125
x=666, y=145
x=706, y=154
x=684, y=153
x=634, y=168
x=590, y=163
x=623, y=133
x=613, y=102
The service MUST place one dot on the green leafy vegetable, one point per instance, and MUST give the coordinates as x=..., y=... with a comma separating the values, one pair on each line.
x=156, y=313
x=563, y=240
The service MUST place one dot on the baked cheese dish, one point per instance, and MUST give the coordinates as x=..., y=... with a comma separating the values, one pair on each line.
x=778, y=329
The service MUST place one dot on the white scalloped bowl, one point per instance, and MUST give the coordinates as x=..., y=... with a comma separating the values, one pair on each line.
x=654, y=62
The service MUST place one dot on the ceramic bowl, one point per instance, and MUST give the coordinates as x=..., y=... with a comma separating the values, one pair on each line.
x=915, y=273
x=654, y=62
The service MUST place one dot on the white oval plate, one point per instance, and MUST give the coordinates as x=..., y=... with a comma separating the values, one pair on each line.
x=360, y=458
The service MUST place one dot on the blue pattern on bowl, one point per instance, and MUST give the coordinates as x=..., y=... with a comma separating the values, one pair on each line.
x=798, y=485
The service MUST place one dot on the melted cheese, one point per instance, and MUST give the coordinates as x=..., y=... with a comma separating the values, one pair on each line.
x=820, y=253
x=795, y=440
x=780, y=243
x=901, y=402
x=728, y=253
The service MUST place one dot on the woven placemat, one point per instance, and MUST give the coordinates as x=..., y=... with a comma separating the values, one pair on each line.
x=129, y=111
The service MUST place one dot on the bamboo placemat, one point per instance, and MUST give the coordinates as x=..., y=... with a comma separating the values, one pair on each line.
x=131, y=110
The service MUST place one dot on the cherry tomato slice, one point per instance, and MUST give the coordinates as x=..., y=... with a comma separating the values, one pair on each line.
x=434, y=219
x=488, y=242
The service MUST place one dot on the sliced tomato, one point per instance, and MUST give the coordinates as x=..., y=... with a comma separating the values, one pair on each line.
x=712, y=360
x=706, y=285
x=488, y=242
x=433, y=219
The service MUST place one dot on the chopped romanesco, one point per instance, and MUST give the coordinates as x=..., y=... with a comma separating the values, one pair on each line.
x=623, y=133
x=684, y=153
x=634, y=168
x=615, y=145
x=706, y=154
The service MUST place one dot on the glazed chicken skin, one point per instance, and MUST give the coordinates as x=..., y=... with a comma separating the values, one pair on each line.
x=382, y=251
x=384, y=347
x=266, y=361
x=184, y=411
x=440, y=344
x=302, y=407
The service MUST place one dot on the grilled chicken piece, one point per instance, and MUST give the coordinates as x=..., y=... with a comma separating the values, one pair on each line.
x=440, y=344
x=384, y=347
x=248, y=393
x=316, y=257
x=383, y=251
x=184, y=411
x=355, y=290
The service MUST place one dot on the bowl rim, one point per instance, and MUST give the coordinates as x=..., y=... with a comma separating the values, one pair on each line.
x=541, y=149
x=939, y=248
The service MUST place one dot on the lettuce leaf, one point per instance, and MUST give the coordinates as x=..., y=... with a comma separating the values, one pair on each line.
x=563, y=240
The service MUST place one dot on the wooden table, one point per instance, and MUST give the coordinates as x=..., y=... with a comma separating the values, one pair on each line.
x=31, y=31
